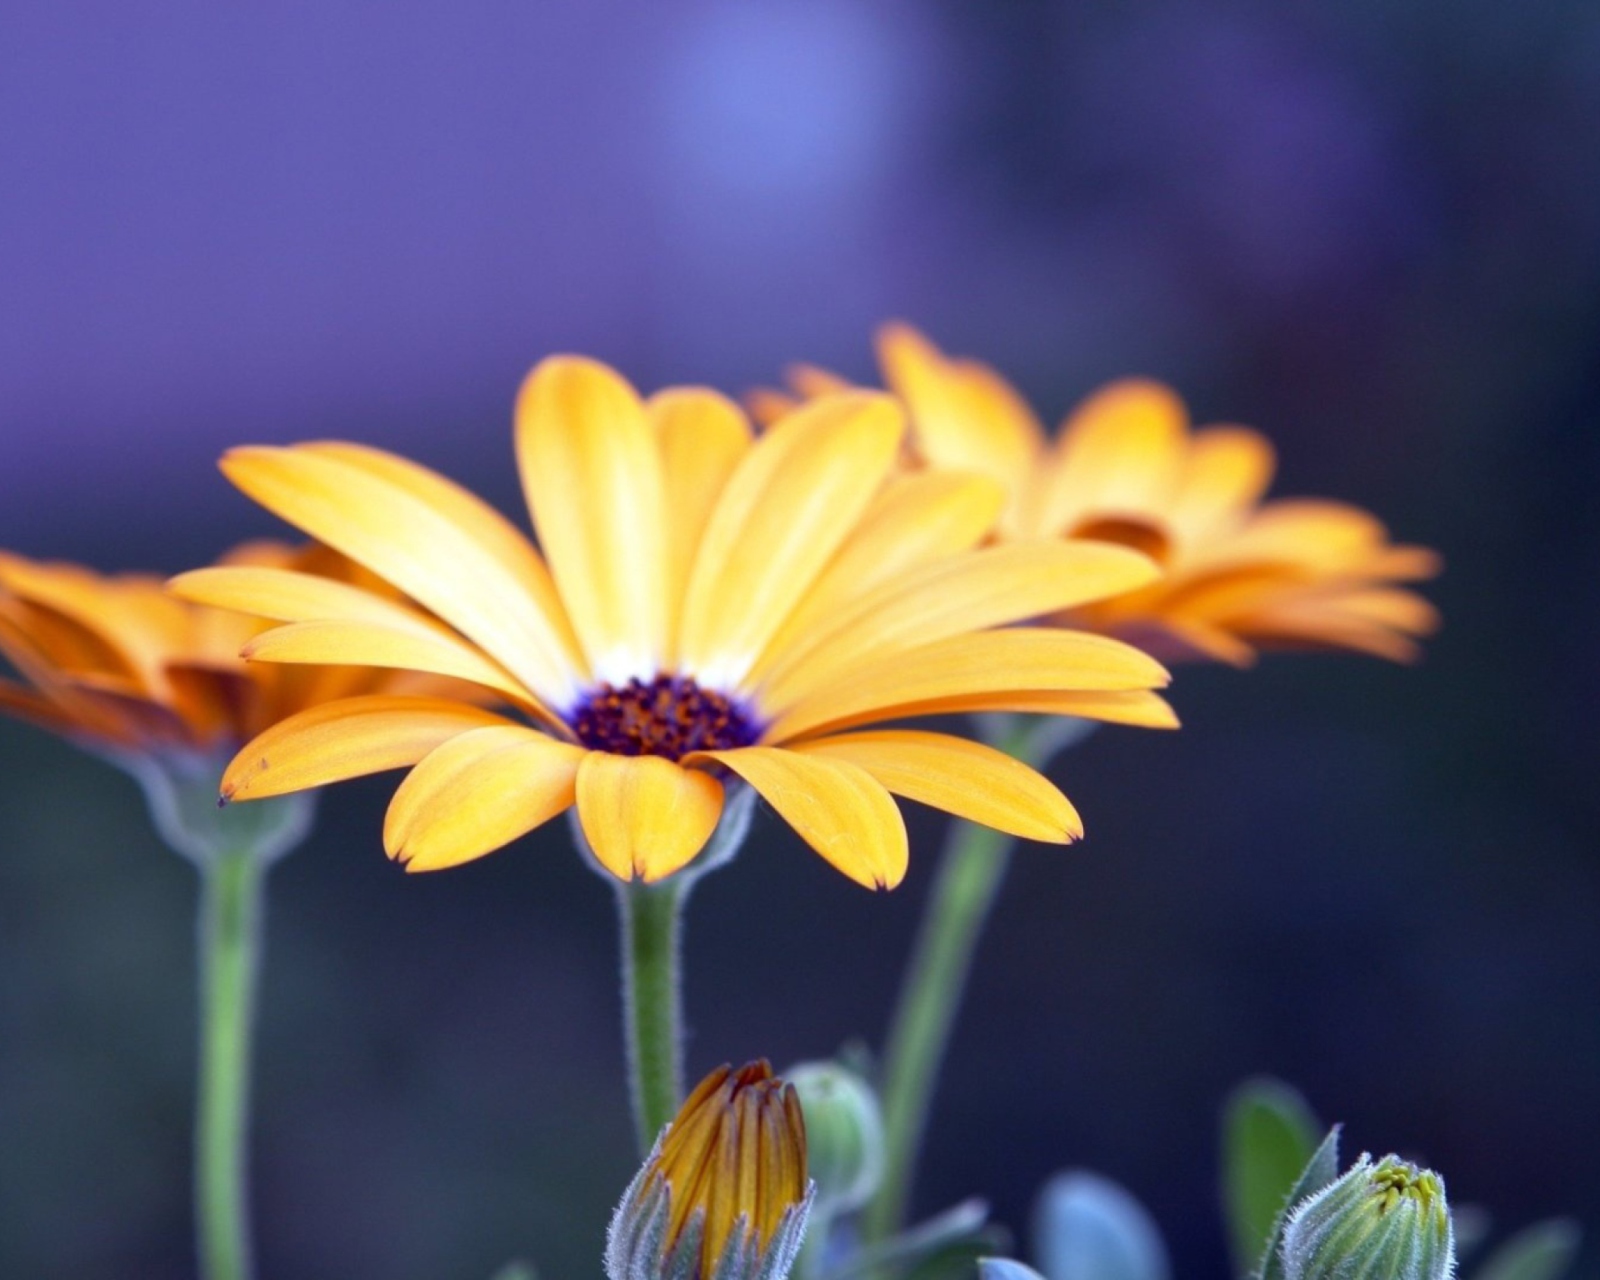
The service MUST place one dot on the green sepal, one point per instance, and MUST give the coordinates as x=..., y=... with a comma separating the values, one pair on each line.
x=1320, y=1171
x=1269, y=1132
x=1543, y=1251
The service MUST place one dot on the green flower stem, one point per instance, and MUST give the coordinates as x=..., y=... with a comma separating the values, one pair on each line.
x=969, y=878
x=653, y=1001
x=230, y=954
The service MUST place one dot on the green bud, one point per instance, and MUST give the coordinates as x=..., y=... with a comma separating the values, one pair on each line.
x=844, y=1134
x=1383, y=1221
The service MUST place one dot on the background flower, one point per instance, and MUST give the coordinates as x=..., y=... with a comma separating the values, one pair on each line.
x=116, y=663
x=1238, y=571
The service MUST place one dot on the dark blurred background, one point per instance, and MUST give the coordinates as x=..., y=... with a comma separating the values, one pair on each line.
x=1371, y=229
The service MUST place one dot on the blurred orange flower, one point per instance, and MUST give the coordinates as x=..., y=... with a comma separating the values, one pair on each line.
x=1239, y=573
x=117, y=663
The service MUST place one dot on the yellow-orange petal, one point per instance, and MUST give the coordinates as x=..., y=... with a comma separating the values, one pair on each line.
x=964, y=415
x=914, y=521
x=1377, y=621
x=1314, y=533
x=455, y=569
x=369, y=644
x=810, y=381
x=497, y=536
x=962, y=777
x=702, y=436
x=838, y=808
x=1017, y=658
x=992, y=587
x=792, y=501
x=82, y=619
x=1225, y=473
x=1403, y=564
x=286, y=595
x=1137, y=707
x=766, y=405
x=36, y=709
x=1120, y=453
x=645, y=816
x=348, y=738
x=477, y=792
x=592, y=474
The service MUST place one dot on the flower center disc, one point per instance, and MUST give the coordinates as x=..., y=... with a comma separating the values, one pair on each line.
x=668, y=716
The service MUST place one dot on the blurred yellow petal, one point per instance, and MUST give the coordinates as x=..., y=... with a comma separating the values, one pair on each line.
x=792, y=501
x=1225, y=474
x=965, y=417
x=1311, y=532
x=1017, y=658
x=916, y=520
x=346, y=739
x=1381, y=622
x=1207, y=640
x=965, y=778
x=1121, y=453
x=703, y=437
x=837, y=808
x=766, y=405
x=84, y=620
x=1403, y=564
x=645, y=816
x=592, y=472
x=453, y=568
x=811, y=381
x=478, y=792
x=1402, y=610
x=35, y=708
x=959, y=594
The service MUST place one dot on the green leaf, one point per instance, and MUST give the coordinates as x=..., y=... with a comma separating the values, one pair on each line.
x=1268, y=1135
x=1543, y=1251
x=1320, y=1170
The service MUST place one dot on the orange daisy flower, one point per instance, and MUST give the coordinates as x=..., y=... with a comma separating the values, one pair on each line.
x=1239, y=574
x=119, y=665
x=706, y=605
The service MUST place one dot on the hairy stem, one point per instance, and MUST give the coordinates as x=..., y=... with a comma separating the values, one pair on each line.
x=653, y=1002
x=969, y=878
x=230, y=946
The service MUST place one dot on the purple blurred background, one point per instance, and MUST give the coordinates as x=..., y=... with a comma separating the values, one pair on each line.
x=1371, y=229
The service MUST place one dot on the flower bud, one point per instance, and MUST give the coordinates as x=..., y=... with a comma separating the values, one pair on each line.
x=724, y=1193
x=844, y=1134
x=1383, y=1221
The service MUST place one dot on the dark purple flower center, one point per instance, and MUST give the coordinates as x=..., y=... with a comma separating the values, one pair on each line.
x=668, y=716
